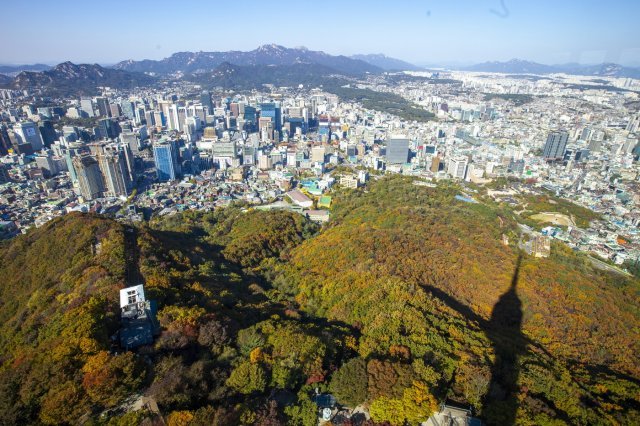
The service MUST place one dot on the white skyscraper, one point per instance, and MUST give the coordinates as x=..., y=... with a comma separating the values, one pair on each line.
x=87, y=106
x=457, y=167
x=29, y=133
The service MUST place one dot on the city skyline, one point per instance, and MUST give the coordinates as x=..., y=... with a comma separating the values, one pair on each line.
x=424, y=33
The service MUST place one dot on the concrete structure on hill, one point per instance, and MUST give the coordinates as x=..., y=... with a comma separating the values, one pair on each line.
x=300, y=199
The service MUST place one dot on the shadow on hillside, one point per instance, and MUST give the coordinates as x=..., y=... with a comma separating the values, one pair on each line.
x=132, y=257
x=246, y=305
x=504, y=330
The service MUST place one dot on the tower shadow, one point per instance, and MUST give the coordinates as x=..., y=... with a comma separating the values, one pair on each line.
x=131, y=253
x=504, y=330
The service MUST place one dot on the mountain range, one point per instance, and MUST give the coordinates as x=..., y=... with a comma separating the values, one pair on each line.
x=5, y=80
x=270, y=54
x=13, y=70
x=81, y=79
x=386, y=63
x=267, y=64
x=519, y=66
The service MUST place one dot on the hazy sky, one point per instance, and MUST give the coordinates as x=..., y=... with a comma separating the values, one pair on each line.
x=423, y=32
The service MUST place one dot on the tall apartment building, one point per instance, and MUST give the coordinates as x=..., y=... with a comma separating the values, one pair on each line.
x=115, y=170
x=89, y=177
x=555, y=146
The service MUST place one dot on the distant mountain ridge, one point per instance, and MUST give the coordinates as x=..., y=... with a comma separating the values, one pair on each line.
x=270, y=54
x=519, y=66
x=68, y=77
x=387, y=63
x=15, y=69
x=5, y=80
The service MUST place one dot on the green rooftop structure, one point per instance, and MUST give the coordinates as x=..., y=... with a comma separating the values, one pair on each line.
x=324, y=201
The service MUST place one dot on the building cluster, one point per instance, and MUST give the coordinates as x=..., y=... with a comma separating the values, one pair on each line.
x=155, y=151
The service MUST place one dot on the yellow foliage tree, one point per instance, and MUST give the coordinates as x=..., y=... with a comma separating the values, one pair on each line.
x=179, y=418
x=416, y=405
x=256, y=355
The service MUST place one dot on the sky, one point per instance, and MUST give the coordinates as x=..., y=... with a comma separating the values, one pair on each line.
x=429, y=32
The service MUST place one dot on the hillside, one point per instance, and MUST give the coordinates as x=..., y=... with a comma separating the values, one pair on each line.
x=388, y=103
x=405, y=299
x=83, y=79
x=519, y=338
x=269, y=54
x=15, y=69
x=238, y=77
x=59, y=287
x=386, y=63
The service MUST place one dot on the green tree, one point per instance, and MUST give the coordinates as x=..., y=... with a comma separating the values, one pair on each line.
x=249, y=339
x=303, y=413
x=349, y=383
x=248, y=378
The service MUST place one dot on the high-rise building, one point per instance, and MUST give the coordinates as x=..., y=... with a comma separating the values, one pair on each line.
x=114, y=168
x=272, y=110
x=165, y=153
x=89, y=177
x=107, y=129
x=234, y=109
x=457, y=167
x=205, y=100
x=636, y=152
x=594, y=145
x=28, y=132
x=5, y=142
x=265, y=127
x=249, y=117
x=159, y=119
x=265, y=162
x=74, y=150
x=182, y=118
x=45, y=162
x=86, y=105
x=4, y=174
x=139, y=115
x=165, y=107
x=132, y=140
x=115, y=110
x=48, y=132
x=555, y=146
x=149, y=118
x=435, y=165
x=128, y=109
x=173, y=117
x=318, y=154
x=397, y=151
x=103, y=107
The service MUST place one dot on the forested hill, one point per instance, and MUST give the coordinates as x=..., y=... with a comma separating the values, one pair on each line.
x=407, y=298
x=412, y=267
